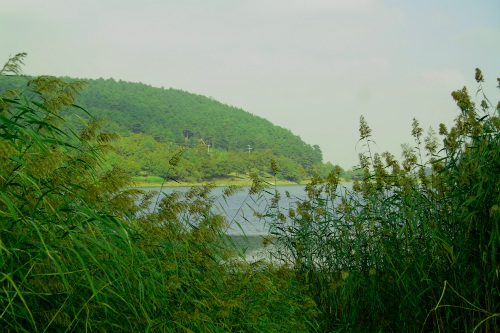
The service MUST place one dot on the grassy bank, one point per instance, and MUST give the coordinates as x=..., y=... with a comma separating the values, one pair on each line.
x=141, y=182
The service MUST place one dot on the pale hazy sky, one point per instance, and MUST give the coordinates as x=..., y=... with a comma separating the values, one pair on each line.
x=312, y=66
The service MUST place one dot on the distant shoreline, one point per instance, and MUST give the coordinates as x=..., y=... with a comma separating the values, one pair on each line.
x=222, y=183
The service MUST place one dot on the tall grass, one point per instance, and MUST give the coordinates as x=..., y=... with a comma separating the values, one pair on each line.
x=78, y=255
x=405, y=251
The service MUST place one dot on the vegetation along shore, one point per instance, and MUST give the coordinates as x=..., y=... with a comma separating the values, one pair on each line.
x=152, y=181
x=414, y=247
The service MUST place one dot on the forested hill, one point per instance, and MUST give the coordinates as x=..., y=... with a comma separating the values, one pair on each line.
x=182, y=118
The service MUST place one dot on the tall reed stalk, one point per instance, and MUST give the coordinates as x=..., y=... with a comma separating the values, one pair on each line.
x=406, y=250
x=78, y=255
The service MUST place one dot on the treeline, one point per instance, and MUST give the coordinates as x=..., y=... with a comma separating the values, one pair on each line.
x=178, y=118
x=141, y=155
x=210, y=139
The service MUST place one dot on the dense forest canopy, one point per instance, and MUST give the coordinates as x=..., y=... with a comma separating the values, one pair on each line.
x=171, y=115
x=159, y=122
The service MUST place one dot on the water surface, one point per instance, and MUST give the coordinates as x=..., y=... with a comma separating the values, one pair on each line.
x=239, y=208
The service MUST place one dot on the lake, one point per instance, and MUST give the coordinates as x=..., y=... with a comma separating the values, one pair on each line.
x=244, y=228
x=237, y=207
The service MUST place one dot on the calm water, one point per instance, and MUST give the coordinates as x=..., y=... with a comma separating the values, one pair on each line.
x=237, y=207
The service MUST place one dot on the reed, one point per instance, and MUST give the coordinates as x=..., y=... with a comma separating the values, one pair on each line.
x=405, y=251
x=78, y=255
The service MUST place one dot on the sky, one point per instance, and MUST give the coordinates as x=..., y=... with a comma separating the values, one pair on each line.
x=312, y=66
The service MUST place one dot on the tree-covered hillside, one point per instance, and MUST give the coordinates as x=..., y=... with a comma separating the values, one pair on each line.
x=181, y=118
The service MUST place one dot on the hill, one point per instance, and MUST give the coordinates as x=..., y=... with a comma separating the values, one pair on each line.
x=182, y=118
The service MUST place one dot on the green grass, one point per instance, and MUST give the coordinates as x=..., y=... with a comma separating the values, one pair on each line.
x=144, y=182
x=77, y=254
x=402, y=252
x=149, y=179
